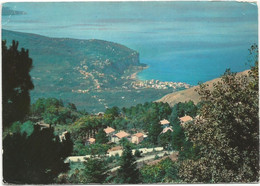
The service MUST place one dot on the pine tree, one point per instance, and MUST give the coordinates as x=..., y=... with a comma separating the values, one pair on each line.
x=37, y=158
x=95, y=171
x=101, y=137
x=128, y=172
x=16, y=83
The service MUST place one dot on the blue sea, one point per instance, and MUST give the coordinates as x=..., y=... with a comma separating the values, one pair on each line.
x=187, y=42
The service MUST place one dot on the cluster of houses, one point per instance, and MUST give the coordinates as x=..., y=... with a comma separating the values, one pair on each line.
x=156, y=84
x=115, y=136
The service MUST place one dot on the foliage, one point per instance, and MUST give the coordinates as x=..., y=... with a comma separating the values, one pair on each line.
x=227, y=131
x=165, y=139
x=16, y=83
x=94, y=149
x=101, y=137
x=182, y=109
x=19, y=127
x=138, y=154
x=72, y=106
x=142, y=115
x=154, y=131
x=163, y=172
x=114, y=111
x=128, y=172
x=94, y=171
x=27, y=127
x=53, y=111
x=34, y=159
x=178, y=137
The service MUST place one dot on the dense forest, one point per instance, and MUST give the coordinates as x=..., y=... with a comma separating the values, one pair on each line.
x=220, y=143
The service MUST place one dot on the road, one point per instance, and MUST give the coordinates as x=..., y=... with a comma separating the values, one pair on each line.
x=146, y=158
x=112, y=153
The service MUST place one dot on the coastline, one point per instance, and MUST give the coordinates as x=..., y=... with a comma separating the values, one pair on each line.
x=134, y=75
x=155, y=84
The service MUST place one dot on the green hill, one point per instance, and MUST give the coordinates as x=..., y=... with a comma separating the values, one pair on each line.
x=89, y=73
x=190, y=94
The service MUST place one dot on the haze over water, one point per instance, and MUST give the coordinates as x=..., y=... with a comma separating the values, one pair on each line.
x=180, y=41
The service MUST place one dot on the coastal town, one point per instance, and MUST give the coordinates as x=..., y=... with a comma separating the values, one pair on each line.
x=156, y=84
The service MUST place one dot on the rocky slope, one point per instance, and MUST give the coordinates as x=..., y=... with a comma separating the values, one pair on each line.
x=189, y=94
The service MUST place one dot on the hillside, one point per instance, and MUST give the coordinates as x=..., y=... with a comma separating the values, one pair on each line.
x=189, y=94
x=93, y=74
x=97, y=62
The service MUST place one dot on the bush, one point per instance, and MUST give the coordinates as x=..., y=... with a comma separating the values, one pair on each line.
x=137, y=153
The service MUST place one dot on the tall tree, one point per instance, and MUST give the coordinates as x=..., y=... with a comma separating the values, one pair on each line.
x=154, y=132
x=16, y=83
x=101, y=137
x=95, y=171
x=35, y=159
x=227, y=130
x=128, y=172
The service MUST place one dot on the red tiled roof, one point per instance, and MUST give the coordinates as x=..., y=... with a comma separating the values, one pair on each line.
x=91, y=139
x=122, y=134
x=166, y=129
x=108, y=130
x=139, y=134
x=186, y=118
x=164, y=122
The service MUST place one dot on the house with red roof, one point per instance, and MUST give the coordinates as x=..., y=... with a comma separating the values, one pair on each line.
x=109, y=132
x=91, y=141
x=185, y=119
x=137, y=138
x=120, y=135
x=165, y=123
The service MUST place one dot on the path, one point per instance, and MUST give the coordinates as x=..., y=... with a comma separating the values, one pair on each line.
x=111, y=153
x=146, y=158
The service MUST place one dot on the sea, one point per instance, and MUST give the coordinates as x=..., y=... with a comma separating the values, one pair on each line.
x=187, y=42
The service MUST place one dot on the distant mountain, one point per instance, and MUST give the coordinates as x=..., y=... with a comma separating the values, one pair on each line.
x=189, y=94
x=93, y=74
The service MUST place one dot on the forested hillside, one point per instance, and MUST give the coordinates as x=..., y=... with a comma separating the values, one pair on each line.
x=93, y=74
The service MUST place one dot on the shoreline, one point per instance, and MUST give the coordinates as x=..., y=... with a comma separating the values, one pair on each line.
x=134, y=75
x=155, y=84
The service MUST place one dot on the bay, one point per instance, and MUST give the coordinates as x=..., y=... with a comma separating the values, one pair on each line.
x=187, y=42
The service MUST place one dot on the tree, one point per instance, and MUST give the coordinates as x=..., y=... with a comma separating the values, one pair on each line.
x=101, y=137
x=165, y=139
x=37, y=158
x=165, y=171
x=154, y=131
x=72, y=106
x=137, y=153
x=181, y=109
x=114, y=111
x=227, y=130
x=128, y=172
x=95, y=171
x=178, y=137
x=16, y=83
